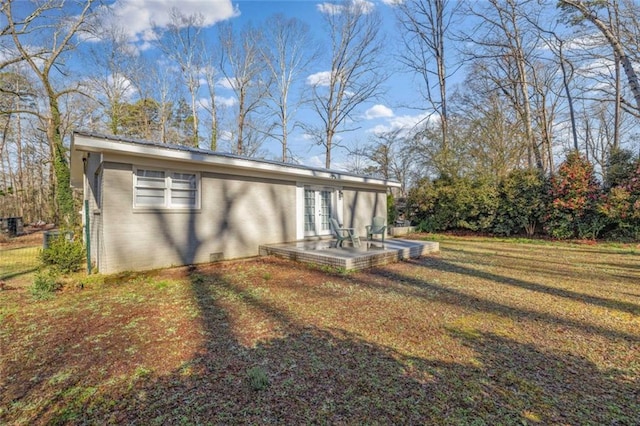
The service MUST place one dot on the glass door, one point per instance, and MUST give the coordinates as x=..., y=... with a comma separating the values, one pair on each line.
x=317, y=212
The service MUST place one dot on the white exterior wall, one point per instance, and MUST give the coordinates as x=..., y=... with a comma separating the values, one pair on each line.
x=360, y=206
x=237, y=214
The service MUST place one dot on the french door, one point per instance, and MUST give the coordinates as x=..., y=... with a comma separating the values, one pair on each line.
x=317, y=212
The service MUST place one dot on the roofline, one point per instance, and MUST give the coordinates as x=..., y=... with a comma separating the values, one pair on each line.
x=82, y=142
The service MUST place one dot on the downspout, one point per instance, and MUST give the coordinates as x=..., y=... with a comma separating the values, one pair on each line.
x=87, y=233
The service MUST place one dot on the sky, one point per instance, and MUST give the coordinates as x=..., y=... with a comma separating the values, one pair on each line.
x=398, y=108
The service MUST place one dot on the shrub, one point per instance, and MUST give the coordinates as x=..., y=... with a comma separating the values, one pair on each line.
x=574, y=197
x=459, y=203
x=521, y=202
x=621, y=206
x=45, y=283
x=391, y=209
x=619, y=168
x=64, y=255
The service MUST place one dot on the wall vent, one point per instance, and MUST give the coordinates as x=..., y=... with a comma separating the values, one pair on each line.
x=216, y=257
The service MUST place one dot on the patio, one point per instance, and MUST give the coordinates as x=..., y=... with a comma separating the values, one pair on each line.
x=369, y=254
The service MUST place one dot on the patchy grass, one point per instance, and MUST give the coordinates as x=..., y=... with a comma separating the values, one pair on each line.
x=18, y=261
x=487, y=332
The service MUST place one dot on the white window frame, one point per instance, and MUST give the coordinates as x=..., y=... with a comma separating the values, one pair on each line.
x=168, y=183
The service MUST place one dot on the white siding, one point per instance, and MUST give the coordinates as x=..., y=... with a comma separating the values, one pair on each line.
x=236, y=216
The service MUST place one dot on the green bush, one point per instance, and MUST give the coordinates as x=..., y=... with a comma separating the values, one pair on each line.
x=621, y=206
x=619, y=168
x=45, y=283
x=459, y=203
x=63, y=255
x=391, y=209
x=521, y=202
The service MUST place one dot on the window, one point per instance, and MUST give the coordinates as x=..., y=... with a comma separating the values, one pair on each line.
x=165, y=189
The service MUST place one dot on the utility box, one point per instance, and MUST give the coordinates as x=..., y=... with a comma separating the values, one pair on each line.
x=49, y=236
x=14, y=226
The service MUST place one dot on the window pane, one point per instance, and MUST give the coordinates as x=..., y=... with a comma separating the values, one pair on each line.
x=183, y=189
x=183, y=198
x=150, y=173
x=150, y=188
x=151, y=182
x=309, y=210
x=149, y=200
x=150, y=178
x=325, y=209
x=183, y=181
x=150, y=192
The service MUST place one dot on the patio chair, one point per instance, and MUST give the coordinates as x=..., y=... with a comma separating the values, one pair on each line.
x=344, y=234
x=377, y=227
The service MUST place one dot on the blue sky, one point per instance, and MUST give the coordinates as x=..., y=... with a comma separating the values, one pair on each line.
x=389, y=112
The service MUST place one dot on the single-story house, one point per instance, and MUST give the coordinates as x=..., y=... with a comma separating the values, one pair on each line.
x=153, y=205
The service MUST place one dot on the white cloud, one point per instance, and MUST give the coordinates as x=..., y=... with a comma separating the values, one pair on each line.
x=330, y=8
x=321, y=78
x=226, y=83
x=588, y=41
x=223, y=101
x=123, y=85
x=316, y=161
x=404, y=123
x=137, y=17
x=226, y=101
x=225, y=135
x=308, y=137
x=362, y=6
x=378, y=111
x=392, y=2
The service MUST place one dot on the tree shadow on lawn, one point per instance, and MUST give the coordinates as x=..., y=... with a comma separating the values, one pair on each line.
x=412, y=286
x=443, y=265
x=330, y=376
x=320, y=375
x=540, y=265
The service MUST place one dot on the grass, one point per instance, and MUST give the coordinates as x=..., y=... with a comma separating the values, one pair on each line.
x=18, y=261
x=487, y=332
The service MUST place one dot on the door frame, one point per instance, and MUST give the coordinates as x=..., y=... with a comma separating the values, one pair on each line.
x=336, y=207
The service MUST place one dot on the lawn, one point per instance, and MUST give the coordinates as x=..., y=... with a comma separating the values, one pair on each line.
x=486, y=332
x=19, y=256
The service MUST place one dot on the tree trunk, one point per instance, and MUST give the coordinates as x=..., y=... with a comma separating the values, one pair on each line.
x=328, y=146
x=62, y=193
x=634, y=84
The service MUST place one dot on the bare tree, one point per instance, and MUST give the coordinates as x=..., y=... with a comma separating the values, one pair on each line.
x=392, y=158
x=244, y=70
x=183, y=44
x=505, y=41
x=113, y=64
x=57, y=25
x=589, y=11
x=210, y=76
x=355, y=75
x=287, y=53
x=425, y=24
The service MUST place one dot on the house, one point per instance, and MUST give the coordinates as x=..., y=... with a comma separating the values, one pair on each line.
x=153, y=205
